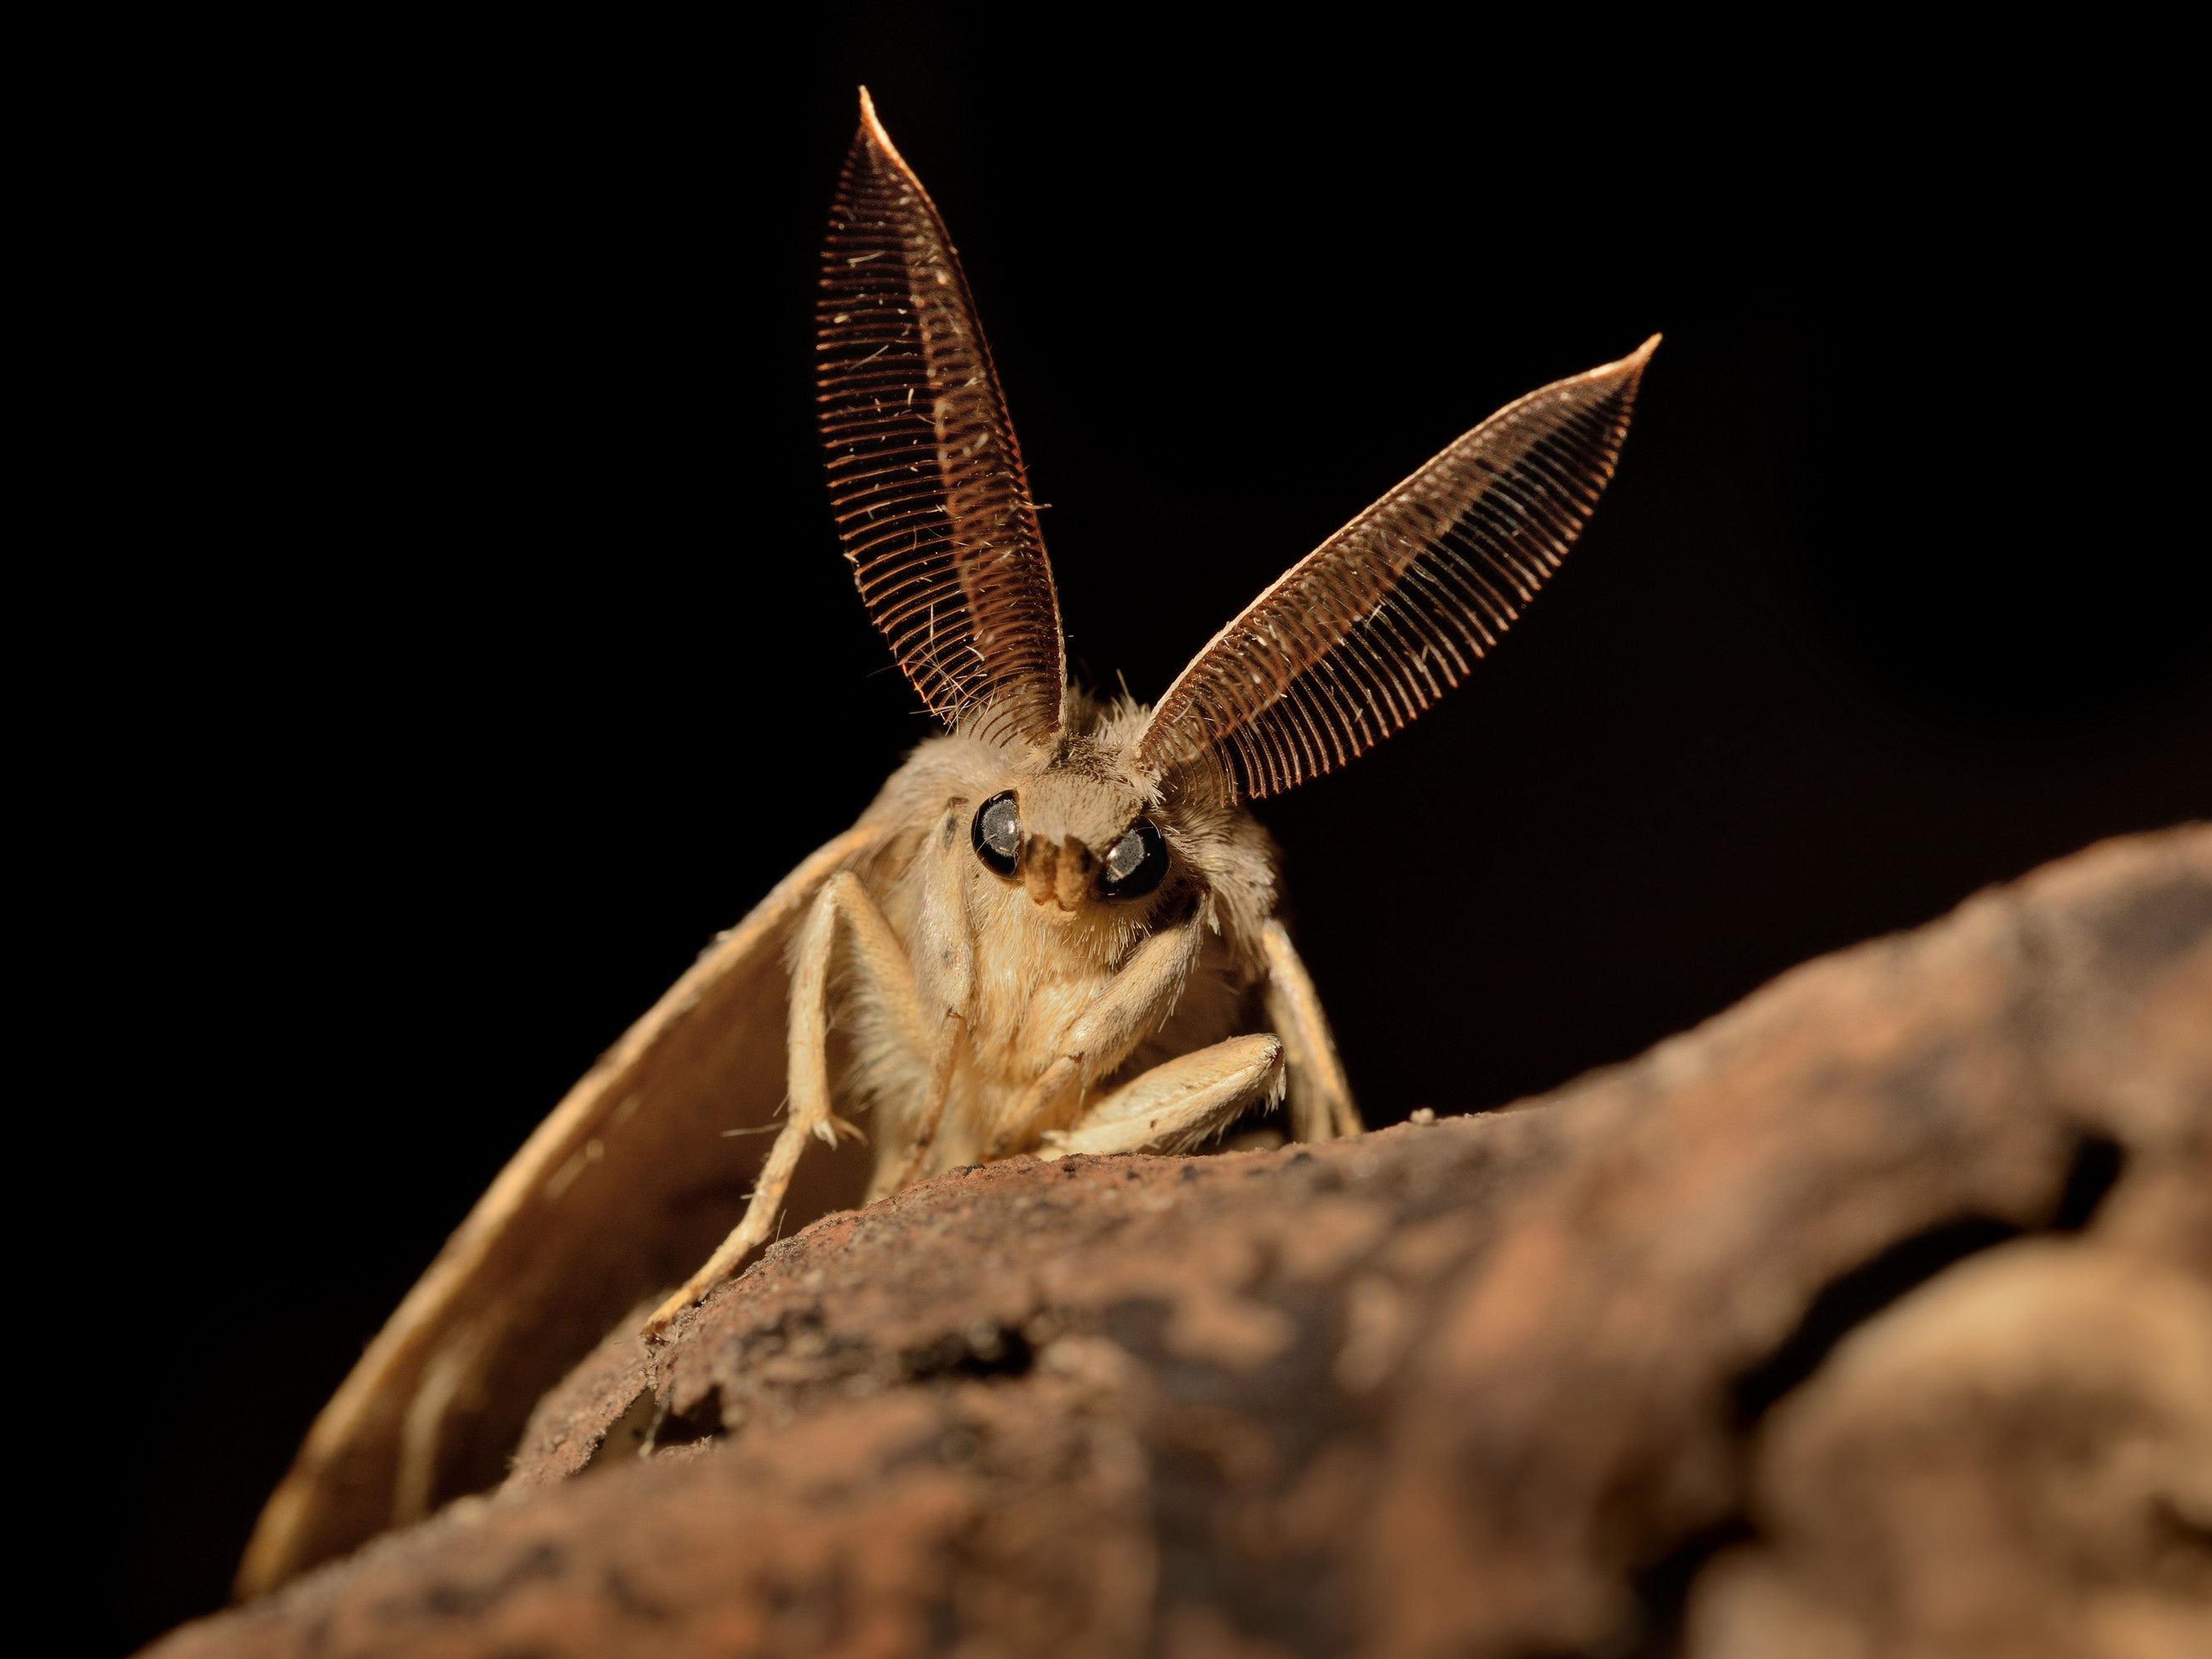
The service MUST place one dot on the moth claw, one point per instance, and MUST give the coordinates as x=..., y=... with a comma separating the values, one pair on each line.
x=832, y=1128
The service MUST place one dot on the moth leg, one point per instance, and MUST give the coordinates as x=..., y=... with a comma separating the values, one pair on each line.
x=942, y=937
x=878, y=959
x=1321, y=1099
x=1179, y=1103
x=1132, y=1007
x=889, y=1178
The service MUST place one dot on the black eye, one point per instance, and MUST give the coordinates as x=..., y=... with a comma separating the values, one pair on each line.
x=1135, y=863
x=997, y=833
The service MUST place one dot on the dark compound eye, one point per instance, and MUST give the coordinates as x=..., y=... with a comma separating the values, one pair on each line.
x=997, y=833
x=1135, y=863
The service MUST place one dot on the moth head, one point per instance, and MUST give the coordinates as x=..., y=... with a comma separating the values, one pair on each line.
x=1075, y=827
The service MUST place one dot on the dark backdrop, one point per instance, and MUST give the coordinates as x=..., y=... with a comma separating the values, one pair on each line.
x=481, y=645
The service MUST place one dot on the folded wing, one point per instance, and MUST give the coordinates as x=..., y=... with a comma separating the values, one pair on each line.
x=619, y=1195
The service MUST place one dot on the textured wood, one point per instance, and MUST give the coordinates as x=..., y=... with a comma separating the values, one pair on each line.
x=1869, y=1318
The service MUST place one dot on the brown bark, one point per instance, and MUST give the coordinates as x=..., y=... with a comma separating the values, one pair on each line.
x=1872, y=1317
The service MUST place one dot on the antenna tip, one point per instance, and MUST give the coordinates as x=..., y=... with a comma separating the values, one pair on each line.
x=873, y=126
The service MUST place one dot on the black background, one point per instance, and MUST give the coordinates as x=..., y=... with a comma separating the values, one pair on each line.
x=471, y=641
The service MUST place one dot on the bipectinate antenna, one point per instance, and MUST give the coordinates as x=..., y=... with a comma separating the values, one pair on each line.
x=1366, y=632
x=924, y=473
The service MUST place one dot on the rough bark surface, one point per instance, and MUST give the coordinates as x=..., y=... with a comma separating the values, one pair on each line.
x=1872, y=1317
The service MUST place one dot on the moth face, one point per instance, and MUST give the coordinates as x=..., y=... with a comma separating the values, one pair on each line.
x=1071, y=840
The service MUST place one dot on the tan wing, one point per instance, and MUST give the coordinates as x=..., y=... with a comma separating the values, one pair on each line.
x=924, y=473
x=620, y=1193
x=1376, y=624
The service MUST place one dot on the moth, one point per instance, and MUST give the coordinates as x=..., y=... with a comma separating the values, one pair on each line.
x=1055, y=930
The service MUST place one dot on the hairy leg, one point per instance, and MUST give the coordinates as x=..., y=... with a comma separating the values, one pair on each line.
x=1133, y=1005
x=1321, y=1099
x=943, y=936
x=879, y=959
x=1179, y=1103
x=891, y=1175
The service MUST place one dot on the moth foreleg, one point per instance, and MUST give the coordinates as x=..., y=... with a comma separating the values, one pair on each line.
x=1179, y=1103
x=1133, y=1005
x=879, y=960
x=890, y=1177
x=1321, y=1108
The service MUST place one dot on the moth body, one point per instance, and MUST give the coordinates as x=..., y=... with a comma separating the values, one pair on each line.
x=1020, y=956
